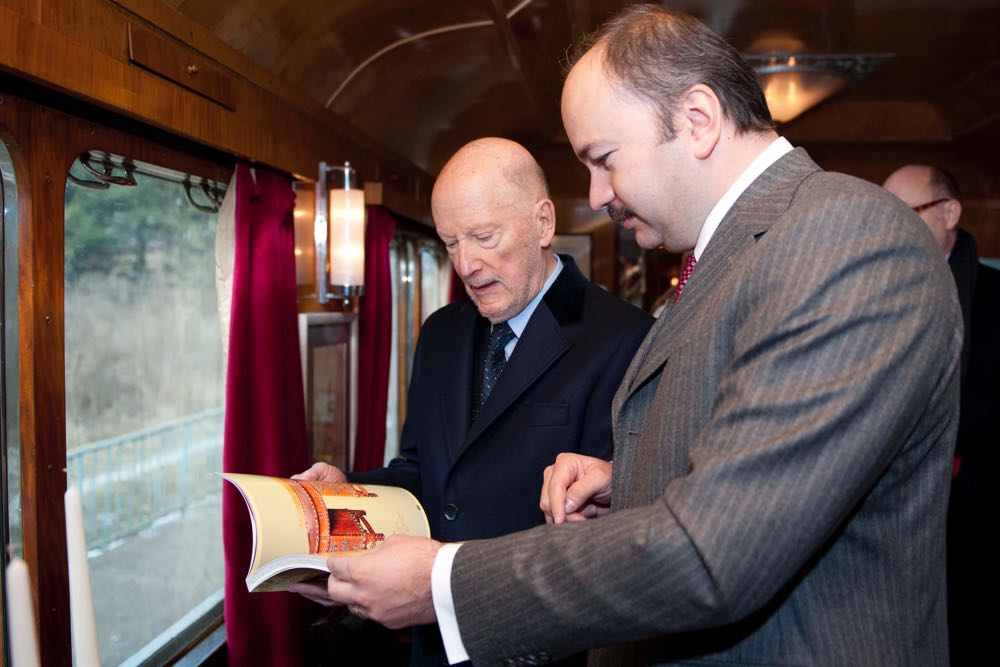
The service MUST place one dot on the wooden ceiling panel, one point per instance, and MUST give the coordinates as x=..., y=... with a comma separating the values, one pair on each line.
x=935, y=48
x=261, y=29
x=367, y=61
x=500, y=111
x=317, y=41
x=419, y=80
x=544, y=32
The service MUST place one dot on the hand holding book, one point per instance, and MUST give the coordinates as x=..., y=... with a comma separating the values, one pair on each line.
x=298, y=524
x=322, y=472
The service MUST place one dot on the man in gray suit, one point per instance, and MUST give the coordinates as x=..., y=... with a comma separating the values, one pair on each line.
x=783, y=436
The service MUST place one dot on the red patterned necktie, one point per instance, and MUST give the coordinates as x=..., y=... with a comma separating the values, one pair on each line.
x=686, y=272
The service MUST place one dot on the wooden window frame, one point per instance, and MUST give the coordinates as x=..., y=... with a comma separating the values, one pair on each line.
x=44, y=133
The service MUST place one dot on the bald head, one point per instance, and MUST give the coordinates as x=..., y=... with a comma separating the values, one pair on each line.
x=492, y=210
x=933, y=193
x=491, y=167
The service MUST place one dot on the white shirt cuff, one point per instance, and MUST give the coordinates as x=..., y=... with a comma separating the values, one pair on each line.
x=444, y=606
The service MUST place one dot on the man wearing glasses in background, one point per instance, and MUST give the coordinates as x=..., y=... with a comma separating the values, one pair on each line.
x=934, y=195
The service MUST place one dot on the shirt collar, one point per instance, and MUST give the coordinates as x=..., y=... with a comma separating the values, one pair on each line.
x=769, y=156
x=520, y=321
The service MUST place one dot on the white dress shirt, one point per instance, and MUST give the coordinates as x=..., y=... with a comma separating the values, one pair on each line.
x=520, y=321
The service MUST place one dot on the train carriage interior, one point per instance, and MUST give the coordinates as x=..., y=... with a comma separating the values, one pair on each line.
x=125, y=129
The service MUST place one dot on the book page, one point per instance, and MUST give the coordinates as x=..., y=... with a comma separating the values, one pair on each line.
x=279, y=574
x=293, y=517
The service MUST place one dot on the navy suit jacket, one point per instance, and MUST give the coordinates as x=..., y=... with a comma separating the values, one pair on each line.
x=482, y=478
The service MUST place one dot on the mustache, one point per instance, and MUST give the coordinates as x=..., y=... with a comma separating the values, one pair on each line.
x=471, y=284
x=619, y=214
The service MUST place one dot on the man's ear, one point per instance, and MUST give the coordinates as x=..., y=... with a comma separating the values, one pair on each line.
x=545, y=217
x=701, y=115
x=952, y=212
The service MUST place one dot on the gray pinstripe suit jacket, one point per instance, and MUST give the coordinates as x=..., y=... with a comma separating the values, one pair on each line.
x=783, y=446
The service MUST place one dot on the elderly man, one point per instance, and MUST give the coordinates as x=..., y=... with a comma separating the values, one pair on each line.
x=783, y=436
x=526, y=369
x=934, y=194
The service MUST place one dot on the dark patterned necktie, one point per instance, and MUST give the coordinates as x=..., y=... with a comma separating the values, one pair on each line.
x=686, y=272
x=496, y=360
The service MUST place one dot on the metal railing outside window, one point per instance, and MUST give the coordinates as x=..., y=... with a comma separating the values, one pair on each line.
x=129, y=482
x=144, y=382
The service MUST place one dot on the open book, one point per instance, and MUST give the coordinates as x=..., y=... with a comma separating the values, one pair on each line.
x=297, y=525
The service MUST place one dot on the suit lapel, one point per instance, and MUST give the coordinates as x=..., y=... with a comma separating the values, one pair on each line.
x=744, y=224
x=671, y=328
x=543, y=341
x=457, y=392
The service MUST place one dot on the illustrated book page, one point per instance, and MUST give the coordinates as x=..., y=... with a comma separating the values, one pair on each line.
x=297, y=524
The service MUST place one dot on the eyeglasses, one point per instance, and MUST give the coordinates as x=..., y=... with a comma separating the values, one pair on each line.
x=924, y=207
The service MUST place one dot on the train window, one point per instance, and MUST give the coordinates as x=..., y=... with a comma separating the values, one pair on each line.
x=144, y=397
x=421, y=280
x=10, y=453
x=400, y=269
x=435, y=274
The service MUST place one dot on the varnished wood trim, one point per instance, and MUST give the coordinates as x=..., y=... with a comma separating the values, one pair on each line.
x=43, y=143
x=271, y=124
x=184, y=68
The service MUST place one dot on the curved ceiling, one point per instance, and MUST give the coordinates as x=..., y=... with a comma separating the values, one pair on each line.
x=423, y=77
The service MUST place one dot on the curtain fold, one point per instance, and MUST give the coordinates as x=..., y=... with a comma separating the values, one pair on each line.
x=375, y=342
x=265, y=430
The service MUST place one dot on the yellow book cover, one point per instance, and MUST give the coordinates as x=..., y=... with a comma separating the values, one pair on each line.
x=297, y=524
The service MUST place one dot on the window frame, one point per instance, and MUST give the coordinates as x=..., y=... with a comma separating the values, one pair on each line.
x=45, y=133
x=408, y=315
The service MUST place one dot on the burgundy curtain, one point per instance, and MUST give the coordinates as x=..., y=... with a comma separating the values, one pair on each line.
x=374, y=347
x=265, y=431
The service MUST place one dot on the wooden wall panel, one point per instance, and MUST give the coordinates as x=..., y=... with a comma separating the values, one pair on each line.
x=182, y=66
x=80, y=48
x=43, y=415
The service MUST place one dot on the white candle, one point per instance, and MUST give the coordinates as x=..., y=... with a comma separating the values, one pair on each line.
x=21, y=616
x=81, y=603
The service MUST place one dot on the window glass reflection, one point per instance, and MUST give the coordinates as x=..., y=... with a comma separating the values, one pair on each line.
x=421, y=280
x=144, y=399
x=10, y=455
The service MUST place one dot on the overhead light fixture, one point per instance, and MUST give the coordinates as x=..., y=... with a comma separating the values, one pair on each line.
x=339, y=233
x=795, y=82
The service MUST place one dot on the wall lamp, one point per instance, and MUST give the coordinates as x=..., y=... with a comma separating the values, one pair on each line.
x=339, y=233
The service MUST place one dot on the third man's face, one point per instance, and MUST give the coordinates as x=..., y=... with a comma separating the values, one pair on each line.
x=912, y=184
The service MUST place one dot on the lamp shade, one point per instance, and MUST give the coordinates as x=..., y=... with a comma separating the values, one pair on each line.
x=347, y=231
x=795, y=82
x=789, y=93
x=339, y=231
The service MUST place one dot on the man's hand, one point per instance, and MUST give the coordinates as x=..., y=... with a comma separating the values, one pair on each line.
x=315, y=590
x=322, y=472
x=576, y=487
x=390, y=585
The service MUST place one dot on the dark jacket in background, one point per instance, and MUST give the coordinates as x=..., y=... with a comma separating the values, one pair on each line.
x=972, y=510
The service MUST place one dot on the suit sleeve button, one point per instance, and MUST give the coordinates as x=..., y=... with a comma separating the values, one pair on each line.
x=450, y=511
